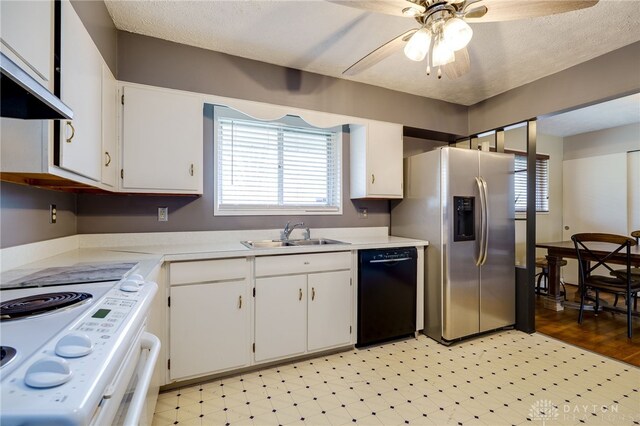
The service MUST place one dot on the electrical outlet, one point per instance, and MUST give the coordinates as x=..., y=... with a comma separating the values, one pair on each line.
x=163, y=214
x=53, y=213
x=363, y=213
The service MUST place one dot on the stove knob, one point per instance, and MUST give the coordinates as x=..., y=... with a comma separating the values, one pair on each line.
x=131, y=285
x=74, y=345
x=48, y=373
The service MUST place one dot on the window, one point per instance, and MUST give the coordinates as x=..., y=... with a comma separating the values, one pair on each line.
x=275, y=167
x=542, y=182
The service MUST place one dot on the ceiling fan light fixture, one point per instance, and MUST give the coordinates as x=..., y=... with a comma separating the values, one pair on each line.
x=411, y=11
x=457, y=33
x=442, y=53
x=418, y=45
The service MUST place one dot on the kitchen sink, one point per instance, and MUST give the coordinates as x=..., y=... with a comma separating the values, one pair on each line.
x=314, y=242
x=289, y=243
x=265, y=243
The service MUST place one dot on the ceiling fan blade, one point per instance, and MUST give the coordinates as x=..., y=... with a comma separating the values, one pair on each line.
x=379, y=54
x=476, y=12
x=389, y=7
x=509, y=10
x=460, y=66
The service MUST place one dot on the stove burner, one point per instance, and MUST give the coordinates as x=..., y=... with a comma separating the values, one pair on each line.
x=39, y=304
x=6, y=354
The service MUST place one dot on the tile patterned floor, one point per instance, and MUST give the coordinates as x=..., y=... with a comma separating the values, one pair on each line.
x=508, y=378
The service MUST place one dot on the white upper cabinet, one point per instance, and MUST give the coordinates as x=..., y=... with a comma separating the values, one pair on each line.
x=26, y=28
x=81, y=90
x=109, y=127
x=376, y=160
x=162, y=141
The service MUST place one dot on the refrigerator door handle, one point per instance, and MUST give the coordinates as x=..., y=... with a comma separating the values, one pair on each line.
x=482, y=221
x=485, y=250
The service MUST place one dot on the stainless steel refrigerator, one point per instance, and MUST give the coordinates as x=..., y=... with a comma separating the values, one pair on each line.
x=462, y=201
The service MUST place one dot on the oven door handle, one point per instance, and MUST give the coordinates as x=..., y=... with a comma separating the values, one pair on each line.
x=152, y=343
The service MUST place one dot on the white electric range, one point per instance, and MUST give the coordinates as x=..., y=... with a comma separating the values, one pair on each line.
x=88, y=361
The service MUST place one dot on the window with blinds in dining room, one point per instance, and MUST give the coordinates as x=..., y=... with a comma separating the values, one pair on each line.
x=542, y=182
x=278, y=167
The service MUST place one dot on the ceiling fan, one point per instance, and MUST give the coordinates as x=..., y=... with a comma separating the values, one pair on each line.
x=443, y=32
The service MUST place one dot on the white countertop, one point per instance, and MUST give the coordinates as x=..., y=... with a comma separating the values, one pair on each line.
x=149, y=250
x=227, y=249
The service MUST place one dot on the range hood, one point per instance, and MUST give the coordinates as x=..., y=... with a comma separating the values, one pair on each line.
x=24, y=97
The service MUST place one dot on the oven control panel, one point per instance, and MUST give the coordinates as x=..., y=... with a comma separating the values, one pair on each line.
x=75, y=368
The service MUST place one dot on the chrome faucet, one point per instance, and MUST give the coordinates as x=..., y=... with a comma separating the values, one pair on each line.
x=288, y=229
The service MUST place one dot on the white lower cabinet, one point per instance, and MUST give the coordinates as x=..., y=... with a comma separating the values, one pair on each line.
x=308, y=311
x=307, y=307
x=281, y=317
x=329, y=310
x=210, y=322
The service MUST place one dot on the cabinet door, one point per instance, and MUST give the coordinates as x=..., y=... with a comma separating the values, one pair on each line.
x=162, y=140
x=280, y=317
x=81, y=90
x=330, y=302
x=384, y=160
x=209, y=328
x=109, y=127
x=26, y=29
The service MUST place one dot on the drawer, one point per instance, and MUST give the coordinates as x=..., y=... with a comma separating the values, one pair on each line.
x=208, y=270
x=302, y=263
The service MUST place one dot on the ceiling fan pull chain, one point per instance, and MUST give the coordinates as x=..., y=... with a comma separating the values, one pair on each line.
x=439, y=73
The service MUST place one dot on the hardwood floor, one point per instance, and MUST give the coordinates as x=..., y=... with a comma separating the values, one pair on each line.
x=605, y=333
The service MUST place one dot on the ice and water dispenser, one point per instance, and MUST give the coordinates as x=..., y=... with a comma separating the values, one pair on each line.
x=464, y=219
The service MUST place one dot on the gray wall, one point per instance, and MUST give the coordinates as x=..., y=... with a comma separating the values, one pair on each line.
x=131, y=213
x=24, y=214
x=602, y=142
x=136, y=58
x=609, y=76
x=156, y=62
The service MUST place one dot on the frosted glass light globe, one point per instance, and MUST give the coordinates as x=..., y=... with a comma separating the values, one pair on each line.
x=457, y=33
x=418, y=45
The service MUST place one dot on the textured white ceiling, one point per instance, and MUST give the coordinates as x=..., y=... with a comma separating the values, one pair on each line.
x=605, y=115
x=326, y=38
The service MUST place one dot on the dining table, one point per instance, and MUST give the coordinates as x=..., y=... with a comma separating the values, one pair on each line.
x=558, y=250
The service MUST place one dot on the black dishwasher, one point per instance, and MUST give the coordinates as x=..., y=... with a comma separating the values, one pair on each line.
x=386, y=294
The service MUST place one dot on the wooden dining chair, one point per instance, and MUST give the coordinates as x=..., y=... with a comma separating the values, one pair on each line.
x=635, y=273
x=591, y=257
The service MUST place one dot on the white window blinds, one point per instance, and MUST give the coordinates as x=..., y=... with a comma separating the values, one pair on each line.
x=275, y=167
x=542, y=183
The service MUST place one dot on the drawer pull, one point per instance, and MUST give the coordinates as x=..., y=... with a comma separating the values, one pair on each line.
x=299, y=294
x=73, y=131
x=240, y=302
x=108, y=159
x=191, y=169
x=313, y=293
x=306, y=263
x=373, y=178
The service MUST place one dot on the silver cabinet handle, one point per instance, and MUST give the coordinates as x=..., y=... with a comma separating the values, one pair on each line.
x=299, y=294
x=482, y=220
x=240, y=302
x=191, y=169
x=485, y=187
x=108, y=159
x=313, y=293
x=373, y=178
x=73, y=131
